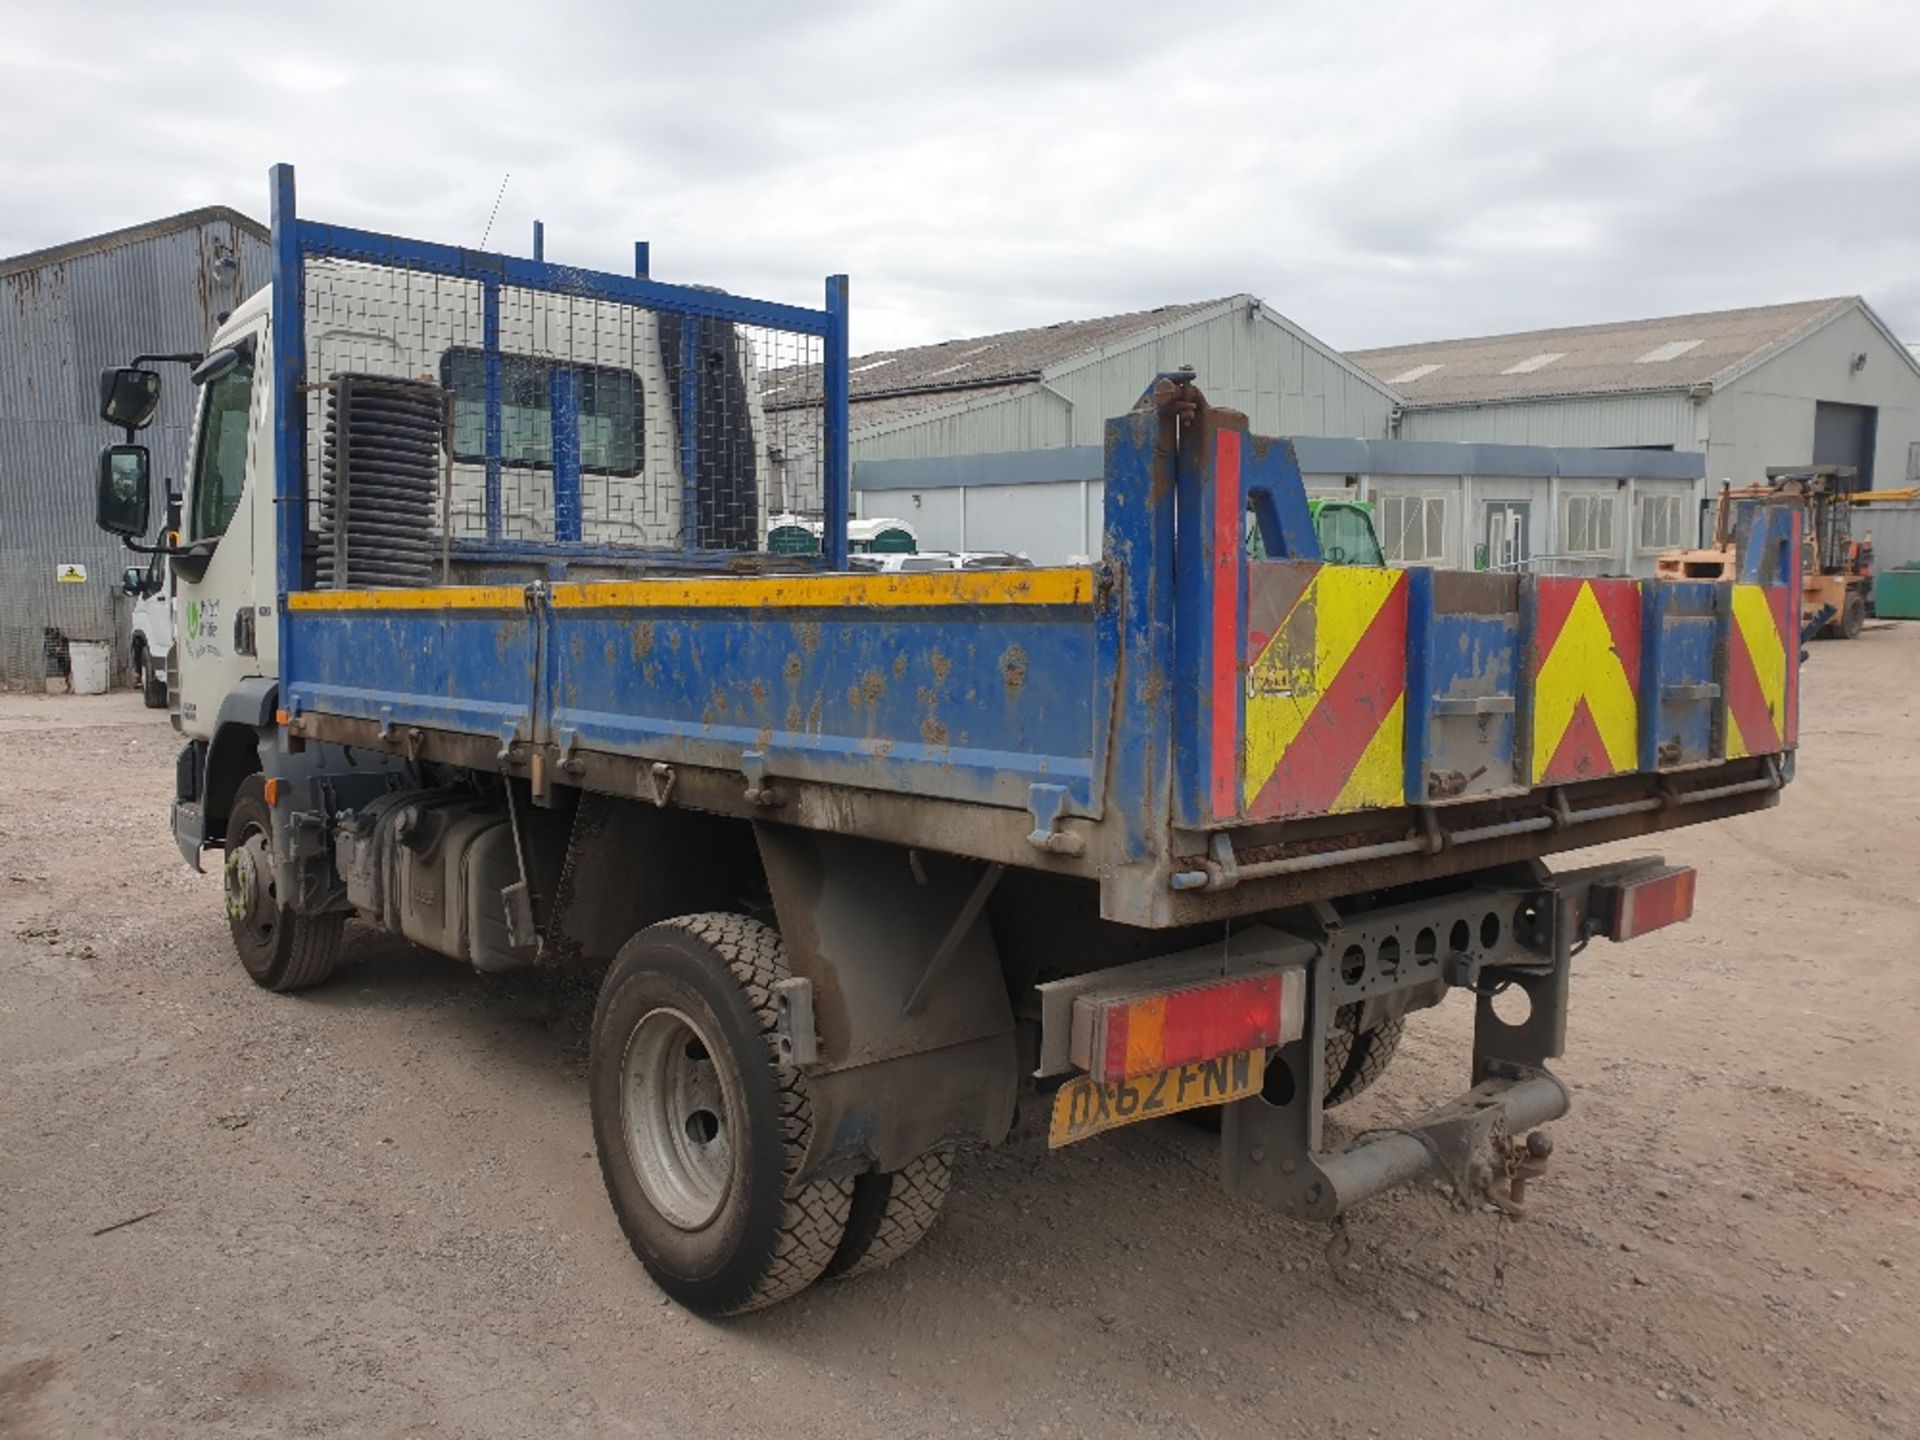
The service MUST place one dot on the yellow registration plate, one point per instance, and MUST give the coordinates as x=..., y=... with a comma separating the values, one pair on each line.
x=1084, y=1107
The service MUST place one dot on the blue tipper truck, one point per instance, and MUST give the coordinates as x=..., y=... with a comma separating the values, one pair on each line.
x=480, y=643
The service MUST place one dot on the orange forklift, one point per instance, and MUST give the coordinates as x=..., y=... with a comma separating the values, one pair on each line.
x=1836, y=569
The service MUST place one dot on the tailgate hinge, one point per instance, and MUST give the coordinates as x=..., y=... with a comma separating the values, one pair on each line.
x=1047, y=803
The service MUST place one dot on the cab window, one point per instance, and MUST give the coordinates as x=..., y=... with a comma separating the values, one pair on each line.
x=220, y=463
x=1346, y=536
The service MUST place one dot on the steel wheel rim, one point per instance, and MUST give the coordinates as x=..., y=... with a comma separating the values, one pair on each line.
x=678, y=1118
x=252, y=901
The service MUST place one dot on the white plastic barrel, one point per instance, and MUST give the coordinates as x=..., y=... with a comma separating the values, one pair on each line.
x=90, y=663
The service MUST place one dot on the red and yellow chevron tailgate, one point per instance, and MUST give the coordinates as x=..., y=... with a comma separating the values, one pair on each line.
x=1326, y=689
x=1761, y=683
x=1586, y=679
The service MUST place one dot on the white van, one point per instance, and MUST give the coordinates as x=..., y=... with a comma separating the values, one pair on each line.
x=150, y=651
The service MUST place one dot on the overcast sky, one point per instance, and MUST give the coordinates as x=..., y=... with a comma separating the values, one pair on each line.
x=1380, y=172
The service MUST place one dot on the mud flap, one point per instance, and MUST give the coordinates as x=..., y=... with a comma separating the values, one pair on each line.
x=915, y=1031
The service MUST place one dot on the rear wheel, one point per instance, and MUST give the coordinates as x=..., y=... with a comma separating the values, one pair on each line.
x=1853, y=616
x=1364, y=1055
x=1351, y=1061
x=893, y=1213
x=699, y=1131
x=279, y=950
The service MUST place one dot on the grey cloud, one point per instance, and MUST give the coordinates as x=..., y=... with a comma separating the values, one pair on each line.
x=1380, y=173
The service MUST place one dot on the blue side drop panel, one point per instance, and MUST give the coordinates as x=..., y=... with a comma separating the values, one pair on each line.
x=1464, y=639
x=1684, y=637
x=465, y=669
x=965, y=703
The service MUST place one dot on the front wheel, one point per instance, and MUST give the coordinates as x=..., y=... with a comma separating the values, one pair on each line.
x=699, y=1131
x=1853, y=616
x=153, y=682
x=279, y=949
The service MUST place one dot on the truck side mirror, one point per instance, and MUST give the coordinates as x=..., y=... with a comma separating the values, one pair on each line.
x=125, y=492
x=133, y=581
x=129, y=397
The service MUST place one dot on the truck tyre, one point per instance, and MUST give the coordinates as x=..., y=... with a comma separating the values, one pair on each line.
x=279, y=950
x=153, y=684
x=1367, y=1054
x=892, y=1213
x=1853, y=616
x=699, y=1132
x=1352, y=1061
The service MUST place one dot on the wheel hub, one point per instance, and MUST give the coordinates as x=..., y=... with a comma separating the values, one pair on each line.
x=679, y=1118
x=248, y=881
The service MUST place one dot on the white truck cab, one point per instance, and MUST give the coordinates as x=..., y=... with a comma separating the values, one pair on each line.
x=224, y=573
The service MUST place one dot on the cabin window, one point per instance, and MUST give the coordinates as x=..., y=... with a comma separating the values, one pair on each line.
x=1413, y=527
x=610, y=412
x=1586, y=525
x=1663, y=520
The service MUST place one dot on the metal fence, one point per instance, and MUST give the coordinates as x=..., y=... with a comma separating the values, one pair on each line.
x=588, y=414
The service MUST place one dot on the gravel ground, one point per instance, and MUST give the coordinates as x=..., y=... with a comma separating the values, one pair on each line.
x=372, y=1210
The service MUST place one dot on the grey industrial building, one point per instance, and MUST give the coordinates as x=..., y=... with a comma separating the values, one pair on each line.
x=1056, y=386
x=993, y=443
x=65, y=314
x=1517, y=476
x=1818, y=381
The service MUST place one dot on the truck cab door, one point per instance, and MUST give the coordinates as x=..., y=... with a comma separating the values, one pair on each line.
x=220, y=636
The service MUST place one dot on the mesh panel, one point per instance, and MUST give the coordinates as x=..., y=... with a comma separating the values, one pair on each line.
x=615, y=426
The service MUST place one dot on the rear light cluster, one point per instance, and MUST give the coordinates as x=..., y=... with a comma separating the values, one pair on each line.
x=1663, y=898
x=1117, y=1037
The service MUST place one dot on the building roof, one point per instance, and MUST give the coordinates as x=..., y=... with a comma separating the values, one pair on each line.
x=132, y=235
x=1674, y=352
x=1009, y=357
x=892, y=388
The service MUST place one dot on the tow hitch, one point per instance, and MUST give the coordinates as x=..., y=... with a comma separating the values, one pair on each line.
x=1478, y=1144
x=1486, y=1144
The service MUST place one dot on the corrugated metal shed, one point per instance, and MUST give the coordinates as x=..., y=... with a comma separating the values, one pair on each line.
x=1673, y=352
x=66, y=313
x=1814, y=381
